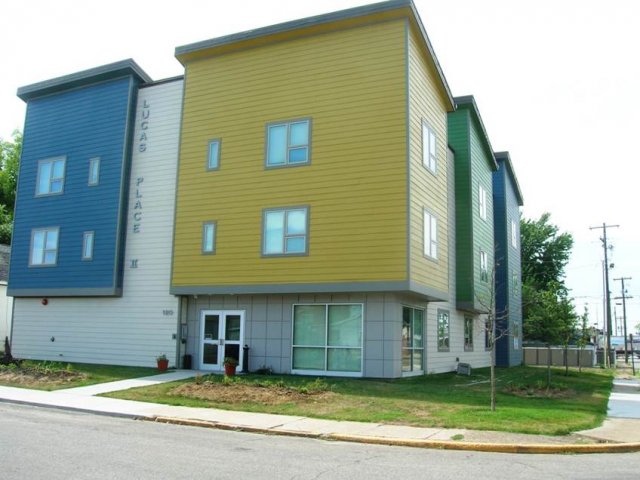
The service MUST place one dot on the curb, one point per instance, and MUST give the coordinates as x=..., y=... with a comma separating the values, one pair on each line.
x=432, y=444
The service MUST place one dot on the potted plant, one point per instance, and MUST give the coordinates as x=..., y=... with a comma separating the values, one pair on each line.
x=163, y=362
x=230, y=365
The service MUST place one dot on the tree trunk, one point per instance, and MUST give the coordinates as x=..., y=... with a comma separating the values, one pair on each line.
x=493, y=377
x=566, y=360
x=548, y=366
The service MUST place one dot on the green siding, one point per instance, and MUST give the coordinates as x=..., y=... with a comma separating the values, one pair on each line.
x=473, y=168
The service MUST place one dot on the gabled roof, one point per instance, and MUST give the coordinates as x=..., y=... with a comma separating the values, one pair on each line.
x=310, y=25
x=85, y=77
x=469, y=102
x=505, y=158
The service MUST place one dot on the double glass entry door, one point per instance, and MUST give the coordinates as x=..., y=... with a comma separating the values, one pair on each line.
x=222, y=334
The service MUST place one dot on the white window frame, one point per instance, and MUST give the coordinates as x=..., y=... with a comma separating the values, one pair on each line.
x=326, y=346
x=206, y=249
x=94, y=172
x=214, y=145
x=484, y=266
x=44, y=251
x=85, y=239
x=441, y=339
x=429, y=148
x=429, y=234
x=514, y=234
x=482, y=202
x=285, y=236
x=289, y=146
x=51, y=178
x=468, y=334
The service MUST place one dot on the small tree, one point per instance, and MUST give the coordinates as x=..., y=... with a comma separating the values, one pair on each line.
x=584, y=335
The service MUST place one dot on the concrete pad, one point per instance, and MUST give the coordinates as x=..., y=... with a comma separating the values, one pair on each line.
x=624, y=405
x=615, y=430
x=100, y=388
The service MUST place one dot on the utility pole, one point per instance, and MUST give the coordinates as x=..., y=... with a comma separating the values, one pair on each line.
x=624, y=313
x=606, y=284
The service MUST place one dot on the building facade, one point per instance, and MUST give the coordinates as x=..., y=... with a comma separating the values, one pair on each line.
x=299, y=194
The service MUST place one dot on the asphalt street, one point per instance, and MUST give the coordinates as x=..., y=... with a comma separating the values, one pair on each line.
x=38, y=443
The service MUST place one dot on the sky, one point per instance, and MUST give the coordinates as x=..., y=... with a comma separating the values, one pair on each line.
x=556, y=82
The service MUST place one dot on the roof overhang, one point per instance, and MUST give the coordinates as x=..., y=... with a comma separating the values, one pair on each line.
x=83, y=78
x=505, y=158
x=393, y=9
x=469, y=102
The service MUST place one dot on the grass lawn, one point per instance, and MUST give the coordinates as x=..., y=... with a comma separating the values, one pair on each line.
x=43, y=375
x=575, y=402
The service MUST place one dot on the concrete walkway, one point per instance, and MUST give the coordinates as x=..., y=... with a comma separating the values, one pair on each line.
x=622, y=432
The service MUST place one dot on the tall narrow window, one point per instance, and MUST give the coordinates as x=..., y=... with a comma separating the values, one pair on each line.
x=514, y=234
x=87, y=245
x=44, y=246
x=430, y=225
x=213, y=155
x=443, y=330
x=484, y=266
x=429, y=157
x=209, y=237
x=288, y=143
x=285, y=231
x=482, y=202
x=94, y=171
x=50, y=176
x=515, y=282
x=412, y=339
x=468, y=334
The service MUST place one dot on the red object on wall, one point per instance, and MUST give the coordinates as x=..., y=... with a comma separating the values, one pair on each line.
x=45, y=301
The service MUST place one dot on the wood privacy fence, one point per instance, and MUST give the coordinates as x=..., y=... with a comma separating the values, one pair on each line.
x=540, y=355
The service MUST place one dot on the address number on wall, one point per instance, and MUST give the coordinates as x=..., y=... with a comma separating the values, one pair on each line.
x=167, y=313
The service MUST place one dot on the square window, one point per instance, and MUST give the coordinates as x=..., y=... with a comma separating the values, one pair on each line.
x=443, y=330
x=209, y=237
x=94, y=171
x=284, y=231
x=213, y=155
x=288, y=143
x=429, y=157
x=44, y=246
x=87, y=245
x=430, y=235
x=50, y=176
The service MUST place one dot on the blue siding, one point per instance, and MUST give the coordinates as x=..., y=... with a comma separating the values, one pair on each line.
x=508, y=263
x=80, y=124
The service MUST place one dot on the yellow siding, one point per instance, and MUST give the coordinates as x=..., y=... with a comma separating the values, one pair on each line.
x=351, y=84
x=427, y=190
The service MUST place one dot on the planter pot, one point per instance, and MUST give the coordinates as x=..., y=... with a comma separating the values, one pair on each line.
x=163, y=364
x=229, y=370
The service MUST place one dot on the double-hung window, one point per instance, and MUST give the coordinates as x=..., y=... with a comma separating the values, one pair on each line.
x=44, y=246
x=285, y=231
x=482, y=202
x=443, y=330
x=327, y=338
x=50, y=176
x=87, y=245
x=412, y=339
x=288, y=143
x=430, y=235
x=209, y=237
x=94, y=171
x=429, y=157
x=484, y=266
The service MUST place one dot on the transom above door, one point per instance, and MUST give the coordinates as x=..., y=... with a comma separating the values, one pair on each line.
x=221, y=335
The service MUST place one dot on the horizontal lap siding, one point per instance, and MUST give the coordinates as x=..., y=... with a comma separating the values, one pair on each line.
x=351, y=84
x=131, y=330
x=429, y=191
x=79, y=124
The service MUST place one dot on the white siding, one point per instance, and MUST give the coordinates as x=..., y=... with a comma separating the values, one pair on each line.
x=132, y=329
x=6, y=305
